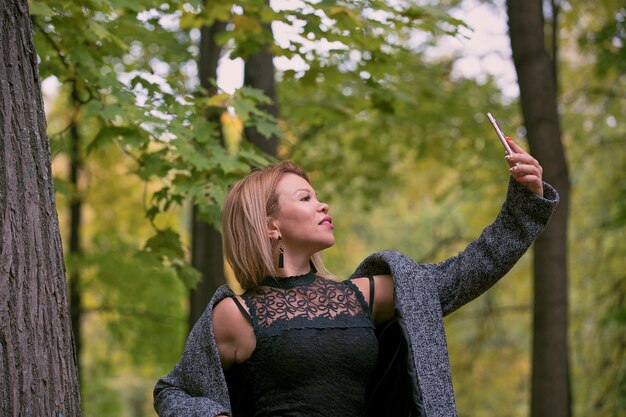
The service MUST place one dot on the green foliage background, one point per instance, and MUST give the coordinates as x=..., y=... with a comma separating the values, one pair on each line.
x=397, y=146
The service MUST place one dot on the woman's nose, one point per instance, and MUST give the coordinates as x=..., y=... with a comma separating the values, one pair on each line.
x=323, y=208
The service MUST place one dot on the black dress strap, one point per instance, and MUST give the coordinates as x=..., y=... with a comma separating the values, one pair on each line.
x=242, y=309
x=371, y=295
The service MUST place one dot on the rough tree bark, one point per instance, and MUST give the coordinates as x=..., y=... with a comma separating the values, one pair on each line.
x=75, y=247
x=550, y=396
x=38, y=375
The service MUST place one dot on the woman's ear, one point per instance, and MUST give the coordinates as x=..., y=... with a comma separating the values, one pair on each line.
x=272, y=228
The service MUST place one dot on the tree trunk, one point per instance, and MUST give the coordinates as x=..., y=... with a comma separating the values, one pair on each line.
x=207, y=253
x=206, y=257
x=259, y=73
x=38, y=374
x=206, y=242
x=550, y=365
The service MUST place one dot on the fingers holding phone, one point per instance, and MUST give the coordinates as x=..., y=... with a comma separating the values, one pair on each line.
x=524, y=168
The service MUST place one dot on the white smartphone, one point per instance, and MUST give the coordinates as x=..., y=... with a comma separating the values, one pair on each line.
x=501, y=135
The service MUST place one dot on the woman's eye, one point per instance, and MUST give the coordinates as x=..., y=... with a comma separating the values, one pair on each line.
x=305, y=198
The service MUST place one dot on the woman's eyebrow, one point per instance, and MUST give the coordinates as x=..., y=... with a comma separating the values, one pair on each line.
x=308, y=190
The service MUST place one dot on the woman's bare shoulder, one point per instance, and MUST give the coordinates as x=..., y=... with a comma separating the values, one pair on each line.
x=383, y=308
x=228, y=318
x=233, y=332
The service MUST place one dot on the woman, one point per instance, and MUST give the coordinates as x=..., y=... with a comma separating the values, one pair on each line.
x=298, y=343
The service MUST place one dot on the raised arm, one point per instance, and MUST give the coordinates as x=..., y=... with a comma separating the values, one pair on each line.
x=526, y=211
x=464, y=277
x=524, y=214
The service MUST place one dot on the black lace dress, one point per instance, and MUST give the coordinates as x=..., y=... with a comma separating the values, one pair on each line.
x=315, y=349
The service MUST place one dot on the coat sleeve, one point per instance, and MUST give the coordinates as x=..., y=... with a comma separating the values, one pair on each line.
x=521, y=219
x=196, y=387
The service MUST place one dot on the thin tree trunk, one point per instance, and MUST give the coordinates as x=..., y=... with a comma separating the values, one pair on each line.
x=38, y=375
x=207, y=253
x=206, y=257
x=556, y=11
x=550, y=365
x=259, y=73
x=206, y=246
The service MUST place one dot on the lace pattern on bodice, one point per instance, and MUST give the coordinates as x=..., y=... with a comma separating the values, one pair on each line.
x=306, y=301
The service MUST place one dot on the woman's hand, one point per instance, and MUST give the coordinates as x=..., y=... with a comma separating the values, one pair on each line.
x=528, y=172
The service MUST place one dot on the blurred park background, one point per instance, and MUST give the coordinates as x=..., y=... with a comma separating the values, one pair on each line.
x=155, y=107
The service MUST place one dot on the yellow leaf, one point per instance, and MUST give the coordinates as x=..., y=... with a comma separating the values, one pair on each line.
x=232, y=128
x=219, y=100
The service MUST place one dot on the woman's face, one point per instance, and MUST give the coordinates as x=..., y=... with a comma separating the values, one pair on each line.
x=302, y=221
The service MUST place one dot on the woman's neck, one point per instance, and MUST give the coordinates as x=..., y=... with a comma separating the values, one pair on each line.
x=294, y=266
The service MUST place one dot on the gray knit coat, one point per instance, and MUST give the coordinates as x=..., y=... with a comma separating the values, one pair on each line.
x=424, y=294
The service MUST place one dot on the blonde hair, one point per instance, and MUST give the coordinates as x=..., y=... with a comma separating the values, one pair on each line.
x=247, y=245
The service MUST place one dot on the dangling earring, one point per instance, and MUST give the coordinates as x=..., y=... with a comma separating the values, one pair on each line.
x=281, y=251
